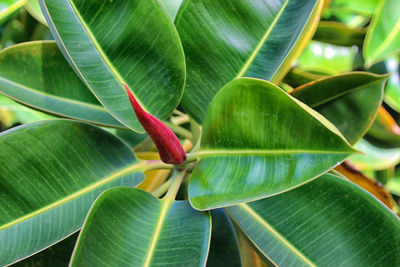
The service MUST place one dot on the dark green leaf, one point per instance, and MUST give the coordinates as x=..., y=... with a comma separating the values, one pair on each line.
x=48, y=83
x=224, y=40
x=248, y=150
x=130, y=227
x=51, y=172
x=350, y=101
x=327, y=222
x=109, y=43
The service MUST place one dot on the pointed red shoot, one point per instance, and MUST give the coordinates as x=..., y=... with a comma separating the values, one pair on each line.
x=168, y=145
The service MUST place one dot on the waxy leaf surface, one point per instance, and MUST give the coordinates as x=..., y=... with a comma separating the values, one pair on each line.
x=383, y=34
x=350, y=101
x=8, y=7
x=48, y=83
x=224, y=40
x=110, y=43
x=51, y=173
x=130, y=227
x=248, y=150
x=327, y=222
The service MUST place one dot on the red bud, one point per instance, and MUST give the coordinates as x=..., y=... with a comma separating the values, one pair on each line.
x=168, y=145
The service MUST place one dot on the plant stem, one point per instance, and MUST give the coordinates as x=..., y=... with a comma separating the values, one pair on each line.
x=162, y=189
x=179, y=130
x=176, y=182
x=155, y=165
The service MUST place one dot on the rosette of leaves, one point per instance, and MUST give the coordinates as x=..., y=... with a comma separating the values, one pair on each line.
x=257, y=185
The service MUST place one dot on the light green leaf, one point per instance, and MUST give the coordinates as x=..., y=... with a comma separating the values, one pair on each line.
x=33, y=8
x=150, y=232
x=172, y=7
x=224, y=40
x=373, y=157
x=248, y=150
x=327, y=58
x=48, y=83
x=327, y=222
x=51, y=172
x=383, y=34
x=350, y=101
x=126, y=41
x=20, y=113
x=8, y=7
x=365, y=7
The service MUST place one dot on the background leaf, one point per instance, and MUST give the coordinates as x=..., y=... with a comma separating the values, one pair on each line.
x=33, y=8
x=383, y=35
x=48, y=83
x=325, y=222
x=350, y=101
x=141, y=49
x=231, y=39
x=247, y=148
x=152, y=232
x=52, y=171
x=8, y=7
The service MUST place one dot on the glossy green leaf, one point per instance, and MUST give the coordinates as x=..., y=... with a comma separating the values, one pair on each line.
x=20, y=113
x=327, y=58
x=392, y=89
x=338, y=33
x=48, y=83
x=385, y=131
x=366, y=7
x=247, y=148
x=33, y=8
x=224, y=40
x=51, y=172
x=327, y=222
x=373, y=157
x=224, y=247
x=393, y=185
x=383, y=34
x=151, y=232
x=350, y=101
x=8, y=7
x=126, y=41
x=57, y=255
x=297, y=77
x=172, y=7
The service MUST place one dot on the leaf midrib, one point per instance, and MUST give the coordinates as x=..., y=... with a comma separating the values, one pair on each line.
x=329, y=99
x=139, y=166
x=262, y=41
x=64, y=99
x=276, y=234
x=212, y=152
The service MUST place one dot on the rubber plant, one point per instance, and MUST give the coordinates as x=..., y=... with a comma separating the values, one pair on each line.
x=248, y=172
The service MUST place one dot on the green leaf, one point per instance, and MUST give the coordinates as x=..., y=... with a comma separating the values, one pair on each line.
x=327, y=58
x=224, y=247
x=327, y=222
x=150, y=232
x=365, y=7
x=247, y=148
x=33, y=7
x=172, y=7
x=383, y=34
x=338, y=33
x=224, y=40
x=51, y=172
x=373, y=157
x=20, y=113
x=350, y=101
x=48, y=83
x=8, y=7
x=56, y=255
x=109, y=43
